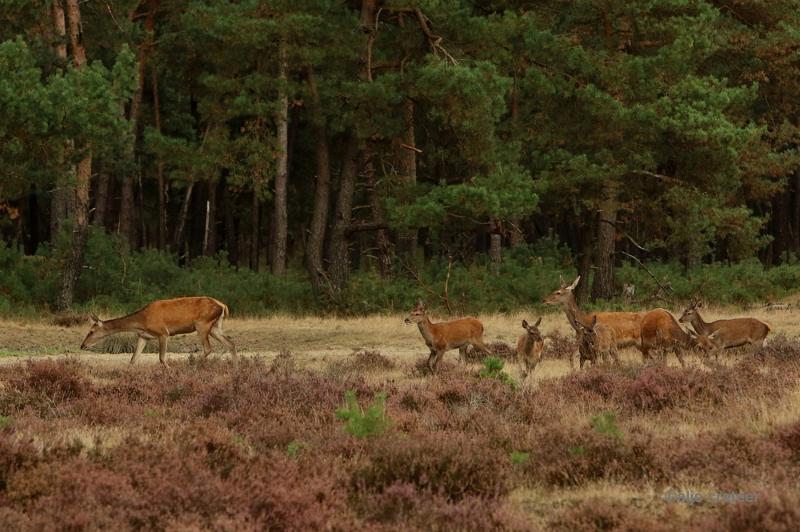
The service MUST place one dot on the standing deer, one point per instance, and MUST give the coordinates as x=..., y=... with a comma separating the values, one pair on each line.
x=661, y=331
x=447, y=335
x=595, y=340
x=728, y=333
x=626, y=326
x=529, y=347
x=164, y=318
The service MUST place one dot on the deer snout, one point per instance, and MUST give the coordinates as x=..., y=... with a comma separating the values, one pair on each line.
x=407, y=321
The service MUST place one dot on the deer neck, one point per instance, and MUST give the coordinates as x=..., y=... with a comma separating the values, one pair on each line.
x=573, y=313
x=130, y=322
x=699, y=325
x=426, y=329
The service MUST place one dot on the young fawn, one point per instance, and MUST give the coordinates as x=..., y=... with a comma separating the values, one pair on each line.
x=447, y=335
x=595, y=340
x=529, y=347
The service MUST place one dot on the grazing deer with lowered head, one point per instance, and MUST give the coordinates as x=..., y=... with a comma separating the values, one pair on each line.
x=595, y=340
x=626, y=326
x=661, y=331
x=164, y=318
x=529, y=347
x=447, y=335
x=734, y=332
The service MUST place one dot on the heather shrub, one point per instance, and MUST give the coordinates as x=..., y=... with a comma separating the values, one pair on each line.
x=560, y=346
x=781, y=348
x=363, y=361
x=606, y=514
x=771, y=511
x=451, y=465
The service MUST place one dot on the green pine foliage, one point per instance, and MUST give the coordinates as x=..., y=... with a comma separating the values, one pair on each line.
x=364, y=423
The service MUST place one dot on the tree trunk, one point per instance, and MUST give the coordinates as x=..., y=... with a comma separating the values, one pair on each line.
x=254, y=230
x=795, y=181
x=781, y=204
x=319, y=218
x=339, y=259
x=127, y=208
x=180, y=230
x=231, y=234
x=83, y=174
x=603, y=285
x=585, y=260
x=210, y=240
x=407, y=238
x=101, y=200
x=162, y=207
x=381, y=235
x=280, y=220
x=60, y=206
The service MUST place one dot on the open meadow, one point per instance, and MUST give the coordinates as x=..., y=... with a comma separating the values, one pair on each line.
x=88, y=442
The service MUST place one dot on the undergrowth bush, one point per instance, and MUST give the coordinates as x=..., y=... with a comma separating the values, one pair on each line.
x=116, y=280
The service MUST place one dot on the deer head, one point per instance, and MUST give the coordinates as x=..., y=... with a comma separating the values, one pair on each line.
x=533, y=330
x=563, y=293
x=417, y=314
x=706, y=343
x=691, y=311
x=96, y=333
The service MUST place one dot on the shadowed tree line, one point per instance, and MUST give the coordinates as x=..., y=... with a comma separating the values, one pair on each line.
x=375, y=135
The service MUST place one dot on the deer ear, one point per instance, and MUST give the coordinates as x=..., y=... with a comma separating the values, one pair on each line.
x=714, y=335
x=574, y=283
x=538, y=322
x=594, y=322
x=561, y=280
x=524, y=324
x=95, y=319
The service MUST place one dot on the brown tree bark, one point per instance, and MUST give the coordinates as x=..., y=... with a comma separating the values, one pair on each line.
x=603, y=285
x=381, y=234
x=83, y=173
x=162, y=207
x=495, y=246
x=319, y=218
x=127, y=208
x=407, y=238
x=231, y=234
x=210, y=240
x=255, y=250
x=339, y=257
x=61, y=207
x=280, y=214
x=101, y=200
x=180, y=230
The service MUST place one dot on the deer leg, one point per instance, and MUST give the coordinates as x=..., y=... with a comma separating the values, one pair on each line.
x=432, y=360
x=217, y=333
x=478, y=344
x=678, y=354
x=615, y=356
x=140, y=343
x=462, y=354
x=439, y=355
x=162, y=350
x=202, y=332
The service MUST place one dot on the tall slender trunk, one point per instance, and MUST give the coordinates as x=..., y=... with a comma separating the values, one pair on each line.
x=231, y=234
x=795, y=181
x=210, y=238
x=495, y=245
x=603, y=285
x=280, y=220
x=127, y=208
x=101, y=200
x=162, y=207
x=339, y=257
x=255, y=229
x=180, y=230
x=381, y=235
x=61, y=206
x=83, y=174
x=407, y=238
x=319, y=218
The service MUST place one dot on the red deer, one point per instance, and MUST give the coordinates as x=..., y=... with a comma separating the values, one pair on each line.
x=164, y=318
x=626, y=326
x=529, y=347
x=661, y=331
x=729, y=333
x=594, y=340
x=447, y=335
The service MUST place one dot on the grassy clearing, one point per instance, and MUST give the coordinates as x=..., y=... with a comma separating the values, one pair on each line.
x=84, y=439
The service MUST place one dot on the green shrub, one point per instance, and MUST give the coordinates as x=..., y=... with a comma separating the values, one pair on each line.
x=362, y=424
x=493, y=369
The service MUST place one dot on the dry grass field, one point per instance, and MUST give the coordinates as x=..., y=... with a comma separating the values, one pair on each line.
x=87, y=442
